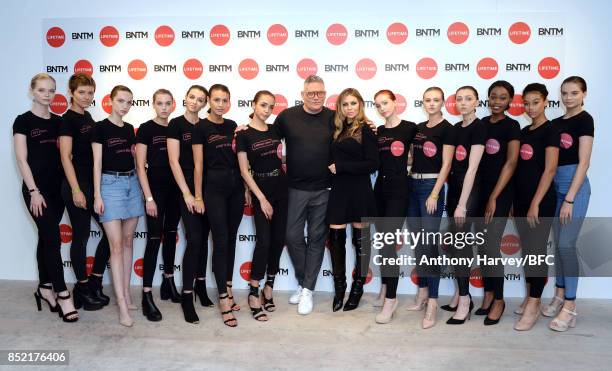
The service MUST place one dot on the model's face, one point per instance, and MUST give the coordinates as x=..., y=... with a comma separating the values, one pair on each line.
x=385, y=105
x=572, y=95
x=534, y=104
x=314, y=96
x=499, y=100
x=195, y=100
x=219, y=102
x=264, y=107
x=163, y=106
x=43, y=92
x=350, y=107
x=83, y=96
x=433, y=102
x=466, y=101
x=121, y=103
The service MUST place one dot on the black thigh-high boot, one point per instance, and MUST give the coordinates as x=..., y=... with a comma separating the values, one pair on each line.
x=337, y=239
x=362, y=259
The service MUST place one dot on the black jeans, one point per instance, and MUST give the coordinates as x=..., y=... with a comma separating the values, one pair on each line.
x=48, y=257
x=80, y=219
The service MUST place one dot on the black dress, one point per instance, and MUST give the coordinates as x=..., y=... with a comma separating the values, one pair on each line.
x=356, y=157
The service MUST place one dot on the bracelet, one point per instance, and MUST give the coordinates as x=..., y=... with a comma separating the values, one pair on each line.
x=569, y=202
x=186, y=194
x=33, y=190
x=198, y=199
x=76, y=190
x=433, y=196
x=461, y=208
x=149, y=199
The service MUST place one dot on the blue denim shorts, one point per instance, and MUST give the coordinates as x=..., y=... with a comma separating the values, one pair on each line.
x=122, y=197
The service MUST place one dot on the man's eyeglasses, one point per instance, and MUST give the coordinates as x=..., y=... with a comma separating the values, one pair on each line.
x=318, y=94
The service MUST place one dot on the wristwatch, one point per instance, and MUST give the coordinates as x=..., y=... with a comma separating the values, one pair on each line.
x=149, y=199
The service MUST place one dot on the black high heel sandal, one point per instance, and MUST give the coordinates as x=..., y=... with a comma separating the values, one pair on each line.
x=199, y=289
x=230, y=311
x=235, y=306
x=257, y=312
x=268, y=304
x=67, y=317
x=39, y=298
x=453, y=321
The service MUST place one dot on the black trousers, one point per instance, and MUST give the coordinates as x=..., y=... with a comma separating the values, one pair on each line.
x=167, y=197
x=48, y=257
x=80, y=219
x=224, y=200
x=270, y=233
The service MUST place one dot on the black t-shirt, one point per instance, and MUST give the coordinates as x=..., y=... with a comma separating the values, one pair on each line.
x=153, y=135
x=465, y=137
x=182, y=130
x=308, y=139
x=263, y=148
x=393, y=147
x=43, y=153
x=571, y=130
x=78, y=127
x=427, y=147
x=117, y=145
x=532, y=158
x=219, y=143
x=499, y=134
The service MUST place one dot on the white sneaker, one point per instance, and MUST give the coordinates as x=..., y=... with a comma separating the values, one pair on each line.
x=306, y=304
x=295, y=298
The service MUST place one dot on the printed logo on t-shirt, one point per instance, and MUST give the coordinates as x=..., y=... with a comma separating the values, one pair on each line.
x=526, y=152
x=37, y=132
x=159, y=139
x=112, y=142
x=397, y=148
x=566, y=140
x=429, y=149
x=492, y=146
x=460, y=153
x=186, y=137
x=85, y=129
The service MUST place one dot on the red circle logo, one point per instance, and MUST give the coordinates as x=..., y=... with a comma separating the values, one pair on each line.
x=516, y=106
x=426, y=68
x=279, y=150
x=306, y=67
x=487, y=68
x=106, y=104
x=277, y=34
x=400, y=104
x=336, y=34
x=429, y=149
x=248, y=69
x=56, y=37
x=476, y=278
x=59, y=105
x=192, y=68
x=245, y=271
x=219, y=35
x=510, y=244
x=83, y=66
x=414, y=277
x=566, y=141
x=330, y=102
x=164, y=35
x=137, y=69
x=451, y=105
x=460, y=153
x=109, y=36
x=280, y=104
x=549, y=68
x=368, y=277
x=519, y=32
x=397, y=33
x=229, y=106
x=65, y=233
x=89, y=263
x=397, y=148
x=458, y=32
x=526, y=152
x=138, y=267
x=365, y=69
x=492, y=146
x=248, y=210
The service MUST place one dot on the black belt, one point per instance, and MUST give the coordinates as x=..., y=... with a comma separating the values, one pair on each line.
x=119, y=173
x=270, y=174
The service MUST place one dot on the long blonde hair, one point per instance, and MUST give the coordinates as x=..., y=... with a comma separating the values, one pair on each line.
x=357, y=123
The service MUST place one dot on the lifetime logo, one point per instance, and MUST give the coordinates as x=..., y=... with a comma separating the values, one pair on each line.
x=83, y=66
x=487, y=68
x=397, y=67
x=137, y=69
x=365, y=69
x=490, y=31
x=426, y=68
x=458, y=33
x=136, y=35
x=164, y=35
x=331, y=102
x=219, y=35
x=516, y=106
x=280, y=104
x=336, y=68
x=336, y=34
x=57, y=69
x=55, y=37
x=519, y=32
x=277, y=34
x=82, y=36
x=306, y=67
x=59, y=105
x=248, y=69
x=397, y=33
x=249, y=34
x=109, y=36
x=549, y=68
x=193, y=69
x=306, y=34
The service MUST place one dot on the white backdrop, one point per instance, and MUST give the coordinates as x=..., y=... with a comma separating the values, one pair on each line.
x=399, y=65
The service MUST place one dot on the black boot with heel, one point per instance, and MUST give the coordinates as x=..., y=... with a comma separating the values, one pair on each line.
x=337, y=242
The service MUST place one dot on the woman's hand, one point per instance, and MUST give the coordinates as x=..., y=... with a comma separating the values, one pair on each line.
x=267, y=209
x=37, y=203
x=151, y=208
x=460, y=213
x=190, y=202
x=490, y=210
x=431, y=204
x=248, y=199
x=565, y=214
x=79, y=200
x=98, y=206
x=532, y=215
x=198, y=206
x=332, y=168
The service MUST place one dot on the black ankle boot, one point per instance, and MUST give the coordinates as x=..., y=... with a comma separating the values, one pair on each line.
x=149, y=309
x=84, y=298
x=168, y=290
x=95, y=286
x=199, y=289
x=188, y=309
x=340, y=291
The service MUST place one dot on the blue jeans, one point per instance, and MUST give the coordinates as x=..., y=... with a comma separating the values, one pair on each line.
x=421, y=189
x=566, y=260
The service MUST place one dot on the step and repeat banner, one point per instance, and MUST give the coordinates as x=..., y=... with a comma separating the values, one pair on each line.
x=404, y=53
